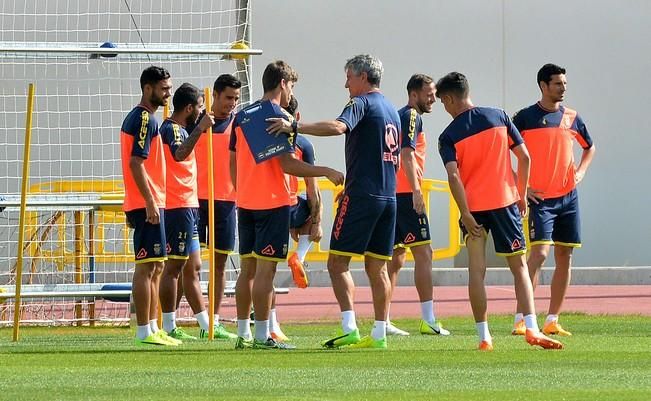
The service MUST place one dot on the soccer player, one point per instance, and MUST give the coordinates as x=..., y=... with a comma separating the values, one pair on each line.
x=549, y=129
x=305, y=225
x=366, y=216
x=263, y=210
x=184, y=253
x=412, y=225
x=143, y=171
x=226, y=94
x=305, y=219
x=475, y=151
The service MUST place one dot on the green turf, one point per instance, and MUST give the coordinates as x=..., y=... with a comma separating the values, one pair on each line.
x=608, y=358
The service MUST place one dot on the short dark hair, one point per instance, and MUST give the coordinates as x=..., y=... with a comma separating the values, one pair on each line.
x=275, y=72
x=292, y=107
x=226, y=81
x=417, y=81
x=454, y=83
x=153, y=75
x=546, y=71
x=186, y=94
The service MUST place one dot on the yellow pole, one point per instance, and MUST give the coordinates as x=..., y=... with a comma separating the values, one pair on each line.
x=23, y=201
x=79, y=246
x=166, y=114
x=211, y=225
x=91, y=256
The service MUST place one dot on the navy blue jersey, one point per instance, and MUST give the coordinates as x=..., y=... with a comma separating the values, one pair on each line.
x=139, y=137
x=412, y=136
x=536, y=117
x=411, y=127
x=140, y=124
x=173, y=134
x=181, y=175
x=304, y=149
x=372, y=146
x=479, y=140
x=549, y=136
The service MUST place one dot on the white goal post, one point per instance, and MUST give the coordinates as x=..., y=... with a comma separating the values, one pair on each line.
x=75, y=232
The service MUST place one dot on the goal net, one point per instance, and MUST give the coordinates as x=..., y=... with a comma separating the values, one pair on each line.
x=73, y=241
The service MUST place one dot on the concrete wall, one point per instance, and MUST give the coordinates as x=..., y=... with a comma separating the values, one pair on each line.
x=499, y=45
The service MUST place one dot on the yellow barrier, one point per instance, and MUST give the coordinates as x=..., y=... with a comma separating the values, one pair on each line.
x=62, y=255
x=316, y=254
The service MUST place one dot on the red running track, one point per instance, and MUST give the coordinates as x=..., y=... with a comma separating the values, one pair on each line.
x=319, y=303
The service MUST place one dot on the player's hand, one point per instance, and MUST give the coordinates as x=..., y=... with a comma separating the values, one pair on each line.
x=474, y=229
x=278, y=125
x=316, y=232
x=339, y=196
x=534, y=195
x=206, y=122
x=578, y=176
x=153, y=214
x=522, y=206
x=294, y=234
x=335, y=177
x=419, y=202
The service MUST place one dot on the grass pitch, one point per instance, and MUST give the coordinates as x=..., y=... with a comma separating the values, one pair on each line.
x=608, y=358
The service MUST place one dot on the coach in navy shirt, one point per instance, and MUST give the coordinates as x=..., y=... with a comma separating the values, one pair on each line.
x=365, y=220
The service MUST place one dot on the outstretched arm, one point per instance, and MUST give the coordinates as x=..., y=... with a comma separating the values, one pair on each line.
x=298, y=168
x=321, y=128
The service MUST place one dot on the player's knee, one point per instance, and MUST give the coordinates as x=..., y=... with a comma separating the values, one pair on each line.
x=476, y=272
x=563, y=252
x=394, y=266
x=264, y=277
x=220, y=269
x=190, y=271
x=172, y=268
x=144, y=270
x=158, y=268
x=246, y=272
x=422, y=254
x=538, y=256
x=337, y=264
x=378, y=277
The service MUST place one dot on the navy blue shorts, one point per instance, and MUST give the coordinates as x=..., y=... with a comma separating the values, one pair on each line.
x=556, y=221
x=412, y=229
x=505, y=225
x=364, y=226
x=225, y=222
x=181, y=232
x=264, y=234
x=299, y=213
x=148, y=239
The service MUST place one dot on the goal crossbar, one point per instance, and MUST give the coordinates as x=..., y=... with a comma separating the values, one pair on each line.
x=111, y=51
